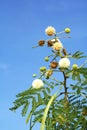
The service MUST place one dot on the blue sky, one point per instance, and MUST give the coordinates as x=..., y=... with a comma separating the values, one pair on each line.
x=22, y=24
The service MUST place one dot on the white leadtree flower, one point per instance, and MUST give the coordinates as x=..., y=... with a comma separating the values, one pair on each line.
x=57, y=45
x=50, y=30
x=64, y=63
x=37, y=83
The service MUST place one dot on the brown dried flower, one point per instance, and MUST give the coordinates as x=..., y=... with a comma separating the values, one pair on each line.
x=49, y=43
x=49, y=72
x=53, y=64
x=41, y=42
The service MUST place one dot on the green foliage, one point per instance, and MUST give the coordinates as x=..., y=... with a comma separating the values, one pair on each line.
x=32, y=97
x=25, y=108
x=57, y=113
x=78, y=55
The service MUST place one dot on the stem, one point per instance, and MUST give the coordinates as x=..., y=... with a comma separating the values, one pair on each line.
x=65, y=87
x=54, y=126
x=30, y=123
x=53, y=59
x=66, y=98
x=60, y=32
x=35, y=46
x=46, y=111
x=54, y=79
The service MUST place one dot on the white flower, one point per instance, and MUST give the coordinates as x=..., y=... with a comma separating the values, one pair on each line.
x=57, y=46
x=37, y=83
x=50, y=30
x=64, y=63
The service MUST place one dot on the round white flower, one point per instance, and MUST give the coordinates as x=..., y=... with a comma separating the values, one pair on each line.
x=37, y=83
x=64, y=63
x=57, y=45
x=50, y=30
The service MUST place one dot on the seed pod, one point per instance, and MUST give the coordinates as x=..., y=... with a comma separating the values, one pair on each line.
x=53, y=64
x=64, y=51
x=41, y=42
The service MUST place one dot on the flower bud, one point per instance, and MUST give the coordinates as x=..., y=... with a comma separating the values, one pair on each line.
x=34, y=75
x=47, y=59
x=43, y=68
x=75, y=66
x=67, y=30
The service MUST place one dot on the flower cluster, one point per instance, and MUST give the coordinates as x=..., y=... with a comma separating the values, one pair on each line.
x=50, y=31
x=37, y=83
x=58, y=50
x=64, y=63
x=57, y=45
